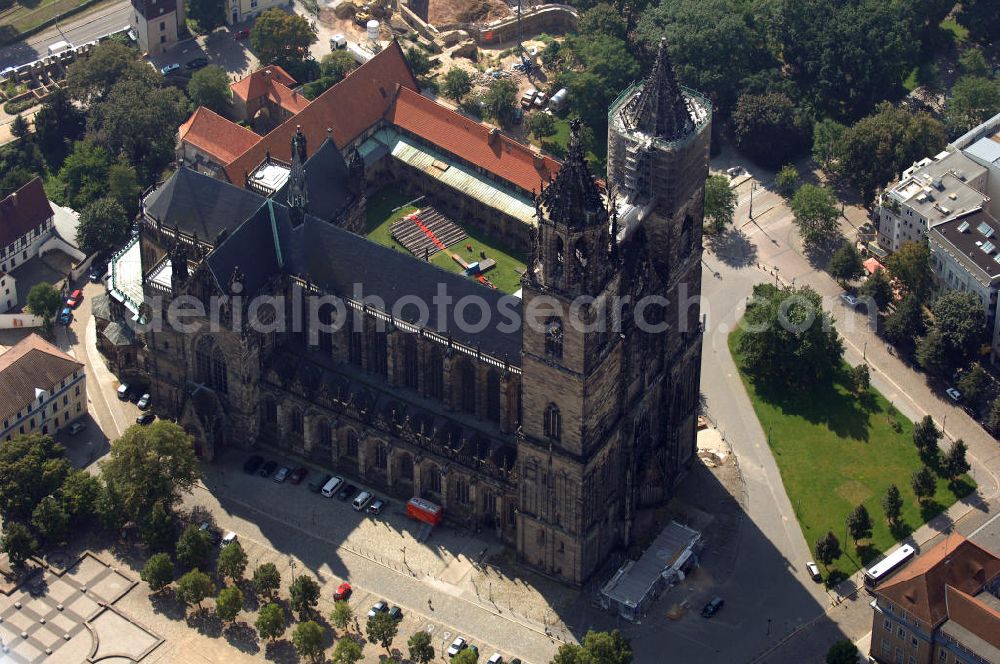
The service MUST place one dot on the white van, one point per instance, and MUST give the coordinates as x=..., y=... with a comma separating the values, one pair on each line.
x=59, y=47
x=331, y=487
x=362, y=500
x=338, y=42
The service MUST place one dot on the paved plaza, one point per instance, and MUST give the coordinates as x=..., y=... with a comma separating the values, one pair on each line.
x=69, y=616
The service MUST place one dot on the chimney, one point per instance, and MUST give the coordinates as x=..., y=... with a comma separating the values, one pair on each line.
x=494, y=132
x=267, y=73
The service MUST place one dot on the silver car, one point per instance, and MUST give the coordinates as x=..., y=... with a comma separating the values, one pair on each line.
x=282, y=474
x=457, y=646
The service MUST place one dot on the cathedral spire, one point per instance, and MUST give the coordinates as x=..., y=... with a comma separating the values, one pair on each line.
x=659, y=109
x=573, y=198
x=298, y=196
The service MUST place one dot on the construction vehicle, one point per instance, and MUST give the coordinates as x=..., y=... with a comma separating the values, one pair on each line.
x=376, y=9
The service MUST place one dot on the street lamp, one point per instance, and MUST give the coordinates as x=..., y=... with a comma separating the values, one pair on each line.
x=753, y=188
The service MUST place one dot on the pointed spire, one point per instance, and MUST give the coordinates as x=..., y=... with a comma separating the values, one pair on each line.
x=660, y=109
x=573, y=198
x=298, y=197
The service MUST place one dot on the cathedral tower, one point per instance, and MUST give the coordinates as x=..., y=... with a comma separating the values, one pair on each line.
x=298, y=196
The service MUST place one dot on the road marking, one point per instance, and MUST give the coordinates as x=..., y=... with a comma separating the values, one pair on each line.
x=982, y=527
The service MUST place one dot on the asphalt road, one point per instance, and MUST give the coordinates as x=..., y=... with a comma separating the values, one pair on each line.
x=76, y=31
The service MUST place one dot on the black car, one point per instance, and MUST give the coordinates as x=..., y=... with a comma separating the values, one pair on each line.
x=396, y=613
x=712, y=607
x=145, y=418
x=197, y=63
x=268, y=469
x=253, y=464
x=347, y=492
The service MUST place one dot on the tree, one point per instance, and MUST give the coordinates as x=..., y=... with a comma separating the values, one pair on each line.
x=194, y=587
x=31, y=467
x=209, y=87
x=421, y=648
x=974, y=99
x=993, y=419
x=498, y=101
x=158, y=572
x=111, y=508
x=58, y=124
x=973, y=63
x=932, y=353
x=845, y=264
x=232, y=561
x=271, y=621
x=787, y=180
x=207, y=14
x=337, y=65
x=926, y=434
x=861, y=378
x=877, y=288
x=769, y=128
x=842, y=652
x=981, y=18
x=123, y=186
x=44, y=300
x=79, y=492
x=876, y=149
x=420, y=63
x=229, y=604
x=19, y=128
x=961, y=320
x=601, y=67
x=50, y=520
x=816, y=213
x=304, y=593
x=465, y=656
x=827, y=549
x=13, y=178
x=892, y=505
x=859, y=524
x=151, y=464
x=923, y=484
x=827, y=135
x=89, y=80
x=720, y=202
x=906, y=323
x=157, y=529
x=103, y=226
x=955, y=462
x=341, y=614
x=974, y=383
x=382, y=628
x=85, y=174
x=541, y=125
x=457, y=83
x=911, y=266
x=792, y=341
x=17, y=543
x=347, y=652
x=193, y=547
x=266, y=580
x=603, y=19
x=607, y=647
x=281, y=38
x=309, y=640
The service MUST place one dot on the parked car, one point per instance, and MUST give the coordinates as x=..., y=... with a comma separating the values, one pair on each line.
x=197, y=63
x=167, y=69
x=954, y=394
x=228, y=539
x=143, y=402
x=495, y=658
x=282, y=474
x=712, y=607
x=213, y=534
x=813, y=571
x=123, y=391
x=319, y=482
x=241, y=34
x=347, y=492
x=145, y=418
x=268, y=468
x=380, y=606
x=361, y=500
x=343, y=592
x=849, y=300
x=75, y=428
x=298, y=475
x=396, y=613
x=74, y=299
x=457, y=646
x=98, y=269
x=65, y=316
x=377, y=506
x=253, y=464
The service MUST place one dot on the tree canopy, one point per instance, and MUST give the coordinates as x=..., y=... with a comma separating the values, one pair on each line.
x=84, y=174
x=769, y=128
x=44, y=300
x=845, y=264
x=604, y=647
x=194, y=587
x=381, y=628
x=209, y=87
x=457, y=83
x=229, y=603
x=304, y=593
x=498, y=101
x=960, y=317
x=911, y=265
x=842, y=652
x=281, y=38
x=232, y=561
x=309, y=639
x=104, y=225
x=193, y=547
x=601, y=67
x=31, y=467
x=816, y=213
x=271, y=621
x=974, y=99
x=158, y=572
x=720, y=202
x=91, y=79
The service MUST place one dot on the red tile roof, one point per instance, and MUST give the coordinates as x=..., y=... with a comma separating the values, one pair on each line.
x=23, y=210
x=260, y=82
x=476, y=143
x=974, y=615
x=920, y=588
x=32, y=363
x=211, y=133
x=348, y=108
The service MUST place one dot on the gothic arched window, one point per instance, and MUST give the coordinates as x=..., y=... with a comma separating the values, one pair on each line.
x=410, y=365
x=554, y=338
x=210, y=365
x=435, y=373
x=467, y=386
x=295, y=420
x=553, y=422
x=493, y=395
x=270, y=410
x=352, y=444
x=381, y=456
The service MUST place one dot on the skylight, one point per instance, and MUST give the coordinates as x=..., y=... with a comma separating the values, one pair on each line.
x=985, y=229
x=962, y=227
x=988, y=247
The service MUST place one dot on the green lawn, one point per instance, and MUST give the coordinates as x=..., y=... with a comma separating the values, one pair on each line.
x=25, y=15
x=510, y=263
x=960, y=32
x=561, y=141
x=835, y=450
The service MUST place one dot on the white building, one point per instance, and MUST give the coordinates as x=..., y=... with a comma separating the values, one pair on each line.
x=42, y=389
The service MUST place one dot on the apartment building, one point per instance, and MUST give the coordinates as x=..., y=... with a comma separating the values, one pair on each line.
x=246, y=10
x=157, y=24
x=42, y=389
x=941, y=609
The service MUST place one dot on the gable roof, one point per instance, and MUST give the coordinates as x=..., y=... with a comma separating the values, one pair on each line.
x=32, y=363
x=480, y=145
x=257, y=84
x=211, y=133
x=957, y=562
x=326, y=182
x=23, y=210
x=348, y=108
x=200, y=204
x=974, y=615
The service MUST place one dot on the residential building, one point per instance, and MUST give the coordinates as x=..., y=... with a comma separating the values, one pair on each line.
x=266, y=98
x=941, y=609
x=26, y=221
x=239, y=11
x=207, y=141
x=564, y=439
x=157, y=24
x=985, y=151
x=42, y=389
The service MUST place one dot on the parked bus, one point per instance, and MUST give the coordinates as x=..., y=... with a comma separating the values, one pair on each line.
x=424, y=510
x=888, y=566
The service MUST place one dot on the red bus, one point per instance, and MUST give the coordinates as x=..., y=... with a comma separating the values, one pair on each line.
x=424, y=510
